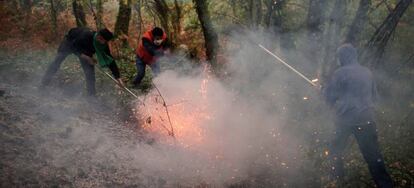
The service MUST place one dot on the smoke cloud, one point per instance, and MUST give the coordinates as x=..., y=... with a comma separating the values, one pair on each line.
x=251, y=128
x=226, y=132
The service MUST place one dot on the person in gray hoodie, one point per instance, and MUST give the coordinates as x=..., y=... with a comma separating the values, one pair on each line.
x=352, y=92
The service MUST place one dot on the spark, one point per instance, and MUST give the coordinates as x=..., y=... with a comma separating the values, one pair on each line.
x=187, y=117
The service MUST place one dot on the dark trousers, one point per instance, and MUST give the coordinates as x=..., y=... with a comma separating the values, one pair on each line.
x=64, y=50
x=155, y=67
x=367, y=139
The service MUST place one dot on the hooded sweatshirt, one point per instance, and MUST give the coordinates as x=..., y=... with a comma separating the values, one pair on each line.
x=352, y=90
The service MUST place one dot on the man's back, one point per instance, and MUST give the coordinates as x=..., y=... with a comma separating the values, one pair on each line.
x=352, y=92
x=82, y=40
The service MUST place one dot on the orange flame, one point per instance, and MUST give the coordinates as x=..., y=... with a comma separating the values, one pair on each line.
x=186, y=117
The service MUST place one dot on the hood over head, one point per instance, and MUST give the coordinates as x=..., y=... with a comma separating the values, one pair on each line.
x=347, y=54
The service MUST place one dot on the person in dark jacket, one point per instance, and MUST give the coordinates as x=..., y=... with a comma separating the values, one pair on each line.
x=83, y=42
x=352, y=93
x=150, y=48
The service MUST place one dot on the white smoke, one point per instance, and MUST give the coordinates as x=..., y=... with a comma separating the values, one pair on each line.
x=241, y=130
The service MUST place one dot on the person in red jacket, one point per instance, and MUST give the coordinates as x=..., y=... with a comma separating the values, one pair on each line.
x=150, y=48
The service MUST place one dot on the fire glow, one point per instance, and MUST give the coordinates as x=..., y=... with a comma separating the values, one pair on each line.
x=187, y=112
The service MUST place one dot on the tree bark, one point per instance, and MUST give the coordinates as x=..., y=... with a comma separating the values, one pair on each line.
x=79, y=13
x=162, y=10
x=176, y=22
x=272, y=22
x=315, y=18
x=25, y=15
x=358, y=23
x=99, y=14
x=277, y=17
x=314, y=26
x=53, y=16
x=376, y=46
x=332, y=39
x=139, y=13
x=123, y=18
x=259, y=13
x=269, y=13
x=210, y=35
x=255, y=13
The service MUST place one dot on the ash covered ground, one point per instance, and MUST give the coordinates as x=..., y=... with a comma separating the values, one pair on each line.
x=54, y=137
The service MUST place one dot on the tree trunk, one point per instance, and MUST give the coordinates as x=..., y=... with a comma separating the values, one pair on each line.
x=79, y=13
x=269, y=12
x=53, y=16
x=210, y=35
x=259, y=11
x=375, y=48
x=314, y=26
x=250, y=13
x=99, y=14
x=176, y=22
x=123, y=18
x=139, y=13
x=25, y=15
x=278, y=16
x=233, y=5
x=358, y=23
x=162, y=10
x=332, y=39
x=272, y=21
x=315, y=19
x=255, y=13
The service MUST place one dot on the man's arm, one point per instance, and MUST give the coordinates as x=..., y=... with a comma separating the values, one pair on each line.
x=152, y=48
x=108, y=52
x=115, y=72
x=332, y=90
x=114, y=69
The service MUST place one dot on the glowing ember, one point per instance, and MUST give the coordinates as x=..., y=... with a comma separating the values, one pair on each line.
x=187, y=114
